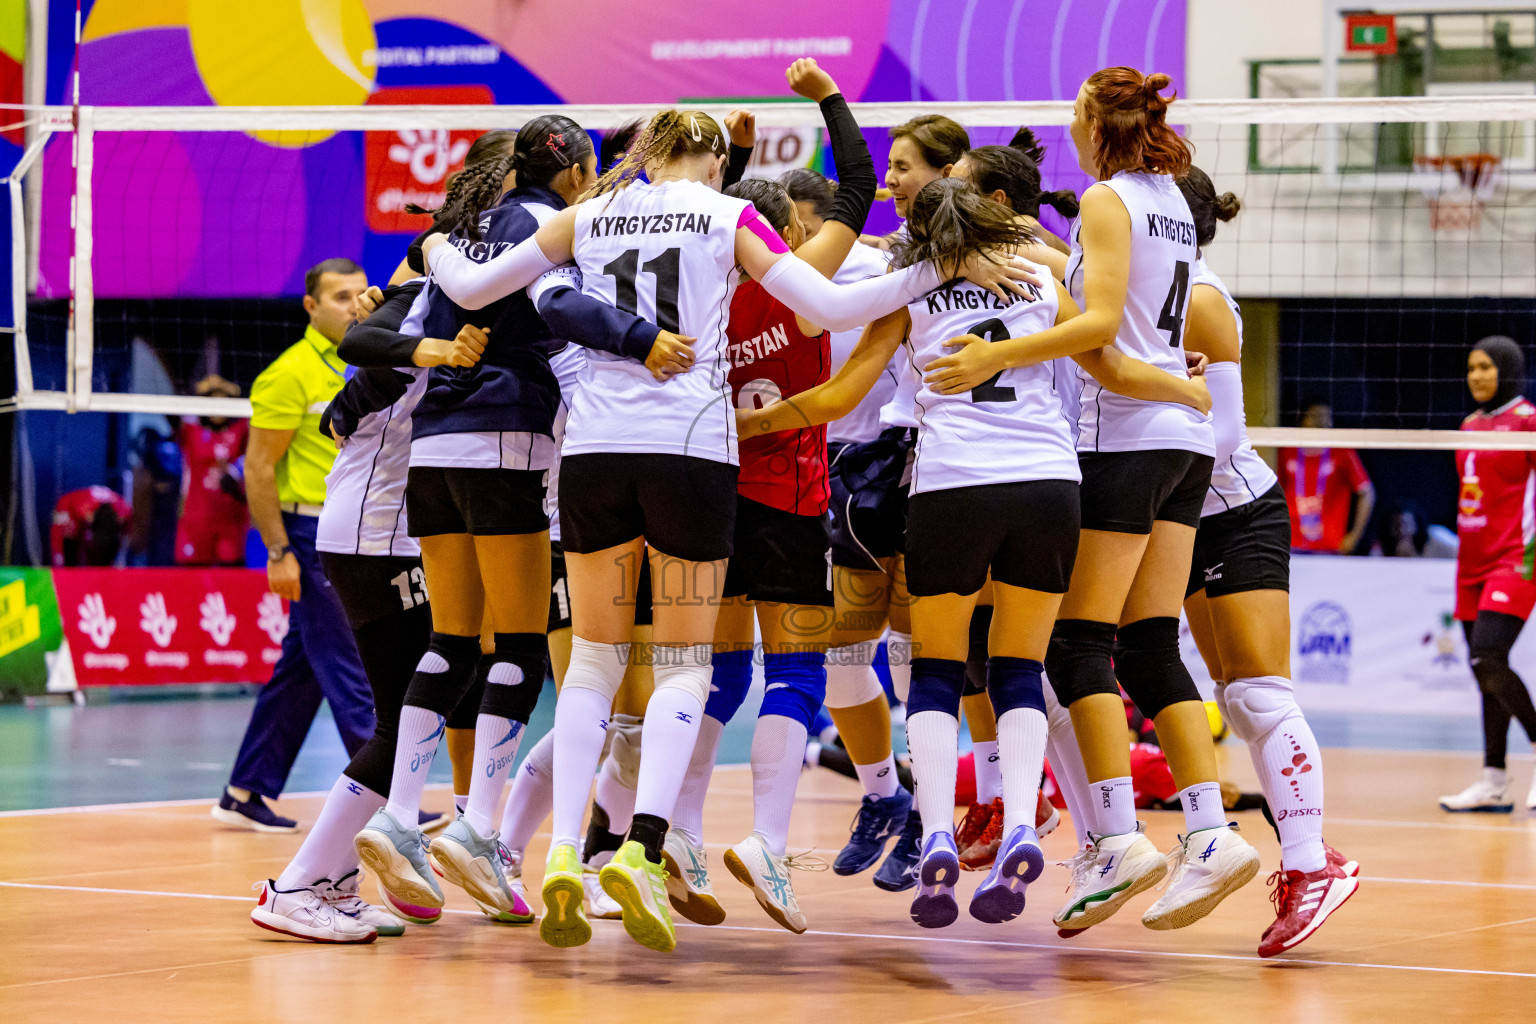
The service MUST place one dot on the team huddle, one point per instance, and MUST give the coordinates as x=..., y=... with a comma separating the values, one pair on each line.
x=642, y=422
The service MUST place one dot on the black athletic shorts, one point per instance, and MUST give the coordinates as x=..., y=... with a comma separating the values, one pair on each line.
x=479, y=502
x=868, y=508
x=779, y=557
x=1126, y=492
x=1026, y=533
x=560, y=593
x=1245, y=548
x=683, y=506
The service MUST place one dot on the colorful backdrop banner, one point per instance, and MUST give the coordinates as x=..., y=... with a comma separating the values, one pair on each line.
x=187, y=214
x=29, y=630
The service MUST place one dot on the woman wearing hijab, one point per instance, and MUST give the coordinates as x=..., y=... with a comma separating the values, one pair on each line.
x=1494, y=589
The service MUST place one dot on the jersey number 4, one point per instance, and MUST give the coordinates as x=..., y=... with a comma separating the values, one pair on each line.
x=988, y=390
x=1172, y=317
x=665, y=268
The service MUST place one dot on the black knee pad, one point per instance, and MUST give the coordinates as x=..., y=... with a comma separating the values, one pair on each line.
x=1148, y=665
x=467, y=711
x=976, y=656
x=514, y=675
x=936, y=686
x=444, y=672
x=1078, y=660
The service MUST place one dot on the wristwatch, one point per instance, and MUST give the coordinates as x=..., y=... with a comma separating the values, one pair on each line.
x=277, y=553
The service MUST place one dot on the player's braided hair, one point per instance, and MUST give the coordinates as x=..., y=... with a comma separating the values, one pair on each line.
x=950, y=220
x=494, y=143
x=670, y=135
x=475, y=189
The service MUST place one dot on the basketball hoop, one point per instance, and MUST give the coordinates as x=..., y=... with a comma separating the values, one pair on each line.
x=1457, y=188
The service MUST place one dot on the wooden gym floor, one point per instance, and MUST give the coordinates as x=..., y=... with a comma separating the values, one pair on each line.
x=139, y=912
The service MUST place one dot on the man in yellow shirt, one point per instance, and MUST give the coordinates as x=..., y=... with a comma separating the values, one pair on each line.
x=286, y=463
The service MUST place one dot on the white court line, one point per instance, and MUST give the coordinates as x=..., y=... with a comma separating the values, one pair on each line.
x=907, y=938
x=1443, y=881
x=146, y=805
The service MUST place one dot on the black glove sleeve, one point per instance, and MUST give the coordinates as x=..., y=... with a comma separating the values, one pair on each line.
x=856, y=181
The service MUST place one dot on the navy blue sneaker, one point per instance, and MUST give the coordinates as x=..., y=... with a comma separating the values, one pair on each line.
x=935, y=905
x=253, y=813
x=878, y=819
x=899, y=872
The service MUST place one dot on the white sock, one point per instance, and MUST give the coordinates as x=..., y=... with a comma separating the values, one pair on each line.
x=420, y=733
x=688, y=812
x=496, y=743
x=1202, y=806
x=1295, y=799
x=1067, y=764
x=989, y=772
x=1021, y=739
x=932, y=737
x=1112, y=804
x=879, y=779
x=533, y=791
x=616, y=799
x=672, y=718
x=581, y=719
x=459, y=801
x=778, y=751
x=327, y=850
x=898, y=652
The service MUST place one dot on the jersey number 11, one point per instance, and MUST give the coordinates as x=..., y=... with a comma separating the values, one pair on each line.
x=664, y=268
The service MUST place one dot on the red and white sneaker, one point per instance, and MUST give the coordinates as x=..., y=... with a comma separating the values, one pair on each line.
x=1303, y=901
x=1047, y=817
x=1344, y=864
x=975, y=822
x=981, y=853
x=304, y=913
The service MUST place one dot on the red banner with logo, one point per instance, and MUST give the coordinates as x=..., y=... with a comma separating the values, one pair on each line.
x=411, y=166
x=129, y=627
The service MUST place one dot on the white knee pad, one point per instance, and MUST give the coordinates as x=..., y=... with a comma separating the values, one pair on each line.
x=851, y=678
x=624, y=736
x=898, y=649
x=596, y=667
x=684, y=668
x=1254, y=707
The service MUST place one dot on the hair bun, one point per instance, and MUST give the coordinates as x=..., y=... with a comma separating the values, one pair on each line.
x=1152, y=87
x=1227, y=205
x=1025, y=142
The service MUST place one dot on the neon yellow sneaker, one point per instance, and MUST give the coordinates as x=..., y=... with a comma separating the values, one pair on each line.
x=564, y=924
x=640, y=887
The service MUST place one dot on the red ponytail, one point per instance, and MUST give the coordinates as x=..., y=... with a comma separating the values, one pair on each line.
x=1132, y=117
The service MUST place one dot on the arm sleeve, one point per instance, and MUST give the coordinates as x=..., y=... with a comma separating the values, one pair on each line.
x=856, y=182
x=1226, y=383
x=377, y=340
x=735, y=165
x=592, y=323
x=368, y=391
x=474, y=285
x=844, y=307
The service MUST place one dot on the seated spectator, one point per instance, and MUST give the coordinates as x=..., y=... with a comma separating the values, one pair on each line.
x=1328, y=490
x=88, y=528
x=214, y=517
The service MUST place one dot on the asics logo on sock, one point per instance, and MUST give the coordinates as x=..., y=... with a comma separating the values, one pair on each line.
x=1109, y=866
x=685, y=718
x=991, y=759
x=1105, y=791
x=882, y=773
x=1282, y=815
x=513, y=730
x=496, y=764
x=441, y=726
x=1209, y=852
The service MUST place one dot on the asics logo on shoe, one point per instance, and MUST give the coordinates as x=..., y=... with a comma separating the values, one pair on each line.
x=776, y=686
x=697, y=876
x=779, y=884
x=1209, y=851
x=513, y=730
x=685, y=717
x=1109, y=866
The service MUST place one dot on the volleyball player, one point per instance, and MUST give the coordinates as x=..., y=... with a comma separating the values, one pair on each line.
x=375, y=568
x=779, y=574
x=1239, y=609
x=1494, y=591
x=1146, y=468
x=652, y=464
x=994, y=454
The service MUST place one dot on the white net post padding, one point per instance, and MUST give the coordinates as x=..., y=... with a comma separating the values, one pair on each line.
x=1319, y=122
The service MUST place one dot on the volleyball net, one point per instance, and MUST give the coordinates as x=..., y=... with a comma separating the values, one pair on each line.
x=1380, y=238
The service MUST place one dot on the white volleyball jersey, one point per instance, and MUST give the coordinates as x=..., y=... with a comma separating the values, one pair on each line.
x=1163, y=255
x=900, y=410
x=364, y=511
x=1243, y=476
x=1009, y=429
x=863, y=423
x=568, y=364
x=668, y=253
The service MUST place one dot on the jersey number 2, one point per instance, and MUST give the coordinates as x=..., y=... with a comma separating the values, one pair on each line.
x=665, y=268
x=1172, y=317
x=988, y=390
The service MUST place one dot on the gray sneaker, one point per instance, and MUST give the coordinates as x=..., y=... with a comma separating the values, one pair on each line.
x=397, y=856
x=473, y=863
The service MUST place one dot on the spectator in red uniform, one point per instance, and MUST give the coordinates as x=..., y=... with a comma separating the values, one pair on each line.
x=88, y=527
x=1320, y=486
x=1494, y=590
x=214, y=518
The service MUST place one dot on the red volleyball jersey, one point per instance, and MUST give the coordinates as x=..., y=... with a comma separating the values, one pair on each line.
x=207, y=454
x=74, y=519
x=772, y=360
x=1494, y=514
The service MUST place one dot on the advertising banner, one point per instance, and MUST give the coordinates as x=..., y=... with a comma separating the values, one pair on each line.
x=1376, y=635
x=129, y=627
x=29, y=630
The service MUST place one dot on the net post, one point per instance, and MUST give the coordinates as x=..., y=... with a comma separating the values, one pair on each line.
x=82, y=334
x=20, y=268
